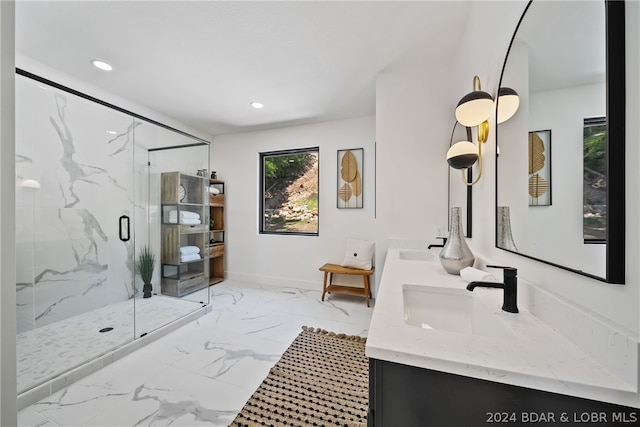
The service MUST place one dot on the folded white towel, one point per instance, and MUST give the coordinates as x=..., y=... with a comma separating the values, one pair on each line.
x=189, y=250
x=189, y=221
x=184, y=214
x=185, y=221
x=214, y=190
x=471, y=274
x=187, y=258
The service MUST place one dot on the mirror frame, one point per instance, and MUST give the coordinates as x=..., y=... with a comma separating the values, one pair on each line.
x=615, y=161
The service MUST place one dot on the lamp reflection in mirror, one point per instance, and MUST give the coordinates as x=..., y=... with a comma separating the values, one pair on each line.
x=507, y=104
x=474, y=109
x=462, y=155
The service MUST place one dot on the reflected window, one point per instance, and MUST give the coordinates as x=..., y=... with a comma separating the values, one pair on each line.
x=594, y=188
x=289, y=192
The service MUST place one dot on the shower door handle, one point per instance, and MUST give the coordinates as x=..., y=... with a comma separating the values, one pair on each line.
x=125, y=230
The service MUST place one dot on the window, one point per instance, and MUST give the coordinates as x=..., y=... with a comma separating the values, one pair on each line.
x=289, y=192
x=594, y=189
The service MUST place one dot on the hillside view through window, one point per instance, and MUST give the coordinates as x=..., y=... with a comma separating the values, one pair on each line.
x=289, y=202
x=594, y=187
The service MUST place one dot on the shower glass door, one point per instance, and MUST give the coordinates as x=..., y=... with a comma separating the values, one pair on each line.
x=87, y=202
x=74, y=230
x=160, y=150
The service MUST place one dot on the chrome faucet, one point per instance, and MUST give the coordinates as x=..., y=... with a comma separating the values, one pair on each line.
x=509, y=285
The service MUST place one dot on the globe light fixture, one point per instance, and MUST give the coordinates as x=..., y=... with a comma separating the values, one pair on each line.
x=474, y=110
x=475, y=107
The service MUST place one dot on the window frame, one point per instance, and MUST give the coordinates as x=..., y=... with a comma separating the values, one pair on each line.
x=261, y=207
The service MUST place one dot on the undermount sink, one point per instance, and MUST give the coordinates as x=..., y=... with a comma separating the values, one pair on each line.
x=416, y=255
x=451, y=310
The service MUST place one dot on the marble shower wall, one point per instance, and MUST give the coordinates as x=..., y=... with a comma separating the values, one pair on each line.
x=70, y=259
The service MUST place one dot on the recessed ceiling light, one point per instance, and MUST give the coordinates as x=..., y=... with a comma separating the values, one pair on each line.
x=112, y=132
x=101, y=65
x=256, y=104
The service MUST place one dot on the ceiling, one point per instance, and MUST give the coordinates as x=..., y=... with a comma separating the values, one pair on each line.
x=203, y=62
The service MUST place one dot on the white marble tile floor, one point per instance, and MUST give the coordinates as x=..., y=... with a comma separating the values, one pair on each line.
x=203, y=373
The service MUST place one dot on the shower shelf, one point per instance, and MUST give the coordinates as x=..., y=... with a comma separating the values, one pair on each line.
x=185, y=222
x=216, y=232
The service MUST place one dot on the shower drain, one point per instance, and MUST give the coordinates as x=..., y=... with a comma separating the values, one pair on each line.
x=105, y=330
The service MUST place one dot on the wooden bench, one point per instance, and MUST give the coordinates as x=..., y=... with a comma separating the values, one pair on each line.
x=331, y=269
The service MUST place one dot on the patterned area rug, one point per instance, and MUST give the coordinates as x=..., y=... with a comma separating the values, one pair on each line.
x=322, y=379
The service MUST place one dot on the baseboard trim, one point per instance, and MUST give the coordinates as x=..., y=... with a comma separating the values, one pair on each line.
x=274, y=281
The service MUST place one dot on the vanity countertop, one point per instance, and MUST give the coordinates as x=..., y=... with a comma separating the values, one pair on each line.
x=535, y=356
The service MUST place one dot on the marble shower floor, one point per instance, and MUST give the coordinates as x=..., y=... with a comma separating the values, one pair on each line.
x=45, y=352
x=202, y=373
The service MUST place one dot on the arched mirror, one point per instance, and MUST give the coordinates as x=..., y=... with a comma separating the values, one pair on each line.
x=560, y=181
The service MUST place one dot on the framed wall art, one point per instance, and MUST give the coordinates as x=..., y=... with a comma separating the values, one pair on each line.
x=540, y=168
x=349, y=191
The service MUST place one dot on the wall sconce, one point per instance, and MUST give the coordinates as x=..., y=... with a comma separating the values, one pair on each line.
x=474, y=109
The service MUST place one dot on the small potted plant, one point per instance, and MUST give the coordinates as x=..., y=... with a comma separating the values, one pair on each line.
x=145, y=266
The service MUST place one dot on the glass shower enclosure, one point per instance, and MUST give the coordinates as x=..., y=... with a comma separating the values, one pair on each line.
x=87, y=202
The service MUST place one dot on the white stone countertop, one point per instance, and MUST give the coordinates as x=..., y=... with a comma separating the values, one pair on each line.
x=535, y=357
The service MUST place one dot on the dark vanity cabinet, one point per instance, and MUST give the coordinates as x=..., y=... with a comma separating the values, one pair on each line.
x=407, y=396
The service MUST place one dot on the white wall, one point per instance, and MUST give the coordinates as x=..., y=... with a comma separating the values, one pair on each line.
x=406, y=189
x=414, y=116
x=484, y=46
x=292, y=260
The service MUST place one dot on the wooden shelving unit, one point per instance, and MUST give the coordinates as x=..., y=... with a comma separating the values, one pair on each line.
x=182, y=196
x=216, y=232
